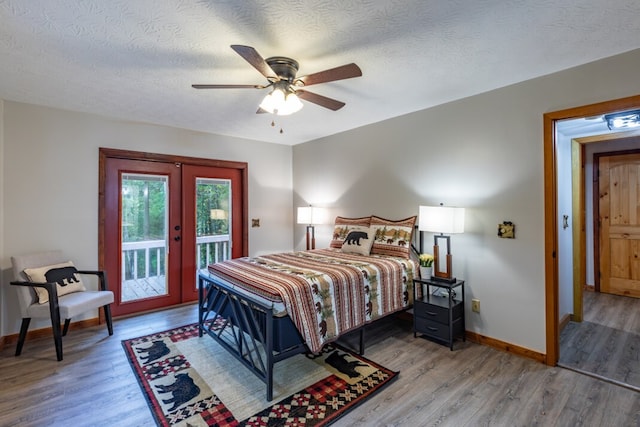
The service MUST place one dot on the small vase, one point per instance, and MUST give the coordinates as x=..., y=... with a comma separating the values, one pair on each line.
x=425, y=272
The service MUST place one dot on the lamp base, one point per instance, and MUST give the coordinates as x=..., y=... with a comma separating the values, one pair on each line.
x=444, y=279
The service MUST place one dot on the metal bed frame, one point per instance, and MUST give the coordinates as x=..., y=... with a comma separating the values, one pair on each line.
x=248, y=329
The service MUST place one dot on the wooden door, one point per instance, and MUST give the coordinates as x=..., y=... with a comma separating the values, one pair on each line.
x=142, y=235
x=619, y=220
x=212, y=206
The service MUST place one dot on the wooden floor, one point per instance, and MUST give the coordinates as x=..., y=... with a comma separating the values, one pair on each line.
x=473, y=385
x=607, y=342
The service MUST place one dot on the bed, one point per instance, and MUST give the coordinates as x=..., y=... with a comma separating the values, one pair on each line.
x=267, y=308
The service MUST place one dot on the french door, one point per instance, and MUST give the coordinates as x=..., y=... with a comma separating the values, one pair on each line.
x=210, y=216
x=163, y=219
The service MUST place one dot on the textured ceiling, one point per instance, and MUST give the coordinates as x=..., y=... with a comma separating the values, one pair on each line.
x=136, y=59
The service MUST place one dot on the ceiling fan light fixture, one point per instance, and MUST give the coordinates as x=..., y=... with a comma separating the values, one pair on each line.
x=276, y=102
x=280, y=72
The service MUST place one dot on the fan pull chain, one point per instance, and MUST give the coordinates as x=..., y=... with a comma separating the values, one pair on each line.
x=273, y=124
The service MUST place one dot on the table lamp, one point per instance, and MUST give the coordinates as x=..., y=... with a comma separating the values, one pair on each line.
x=444, y=220
x=311, y=216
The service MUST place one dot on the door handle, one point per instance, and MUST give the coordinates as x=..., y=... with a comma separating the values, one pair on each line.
x=177, y=238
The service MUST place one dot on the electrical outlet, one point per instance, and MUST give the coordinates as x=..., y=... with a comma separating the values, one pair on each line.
x=475, y=305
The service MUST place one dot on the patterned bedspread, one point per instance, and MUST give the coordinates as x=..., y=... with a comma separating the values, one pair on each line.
x=326, y=292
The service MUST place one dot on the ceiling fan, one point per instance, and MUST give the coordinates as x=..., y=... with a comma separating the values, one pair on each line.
x=281, y=72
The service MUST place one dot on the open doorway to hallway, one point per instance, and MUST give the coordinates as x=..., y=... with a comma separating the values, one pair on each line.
x=602, y=339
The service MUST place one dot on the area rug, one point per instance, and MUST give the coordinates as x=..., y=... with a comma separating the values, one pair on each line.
x=192, y=381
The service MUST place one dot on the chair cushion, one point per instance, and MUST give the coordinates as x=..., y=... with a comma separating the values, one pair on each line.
x=74, y=304
x=64, y=274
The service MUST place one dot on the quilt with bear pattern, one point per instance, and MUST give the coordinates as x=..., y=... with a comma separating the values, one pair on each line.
x=326, y=292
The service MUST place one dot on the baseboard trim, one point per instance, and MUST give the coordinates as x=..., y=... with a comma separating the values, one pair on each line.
x=47, y=332
x=506, y=347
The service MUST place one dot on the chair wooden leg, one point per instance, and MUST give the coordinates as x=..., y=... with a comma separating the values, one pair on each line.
x=107, y=316
x=66, y=327
x=23, y=334
x=54, y=311
x=57, y=340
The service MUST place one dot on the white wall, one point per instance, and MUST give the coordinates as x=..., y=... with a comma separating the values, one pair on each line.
x=484, y=153
x=565, y=235
x=49, y=181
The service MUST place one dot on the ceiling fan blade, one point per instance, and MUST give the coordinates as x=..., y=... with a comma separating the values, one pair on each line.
x=261, y=111
x=253, y=57
x=228, y=86
x=339, y=73
x=322, y=101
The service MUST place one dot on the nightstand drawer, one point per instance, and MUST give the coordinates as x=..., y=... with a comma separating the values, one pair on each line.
x=437, y=309
x=432, y=329
x=431, y=312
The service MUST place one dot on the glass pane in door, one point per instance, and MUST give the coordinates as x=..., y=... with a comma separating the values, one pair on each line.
x=144, y=225
x=213, y=222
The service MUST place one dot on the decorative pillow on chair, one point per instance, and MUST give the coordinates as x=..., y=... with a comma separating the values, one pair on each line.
x=392, y=237
x=64, y=274
x=343, y=226
x=358, y=241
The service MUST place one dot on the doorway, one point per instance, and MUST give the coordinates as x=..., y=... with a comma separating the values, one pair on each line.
x=162, y=220
x=551, y=215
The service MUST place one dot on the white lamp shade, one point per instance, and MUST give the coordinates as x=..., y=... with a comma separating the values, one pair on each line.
x=311, y=215
x=441, y=219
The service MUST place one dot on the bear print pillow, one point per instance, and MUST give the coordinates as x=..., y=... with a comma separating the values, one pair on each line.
x=358, y=240
x=65, y=275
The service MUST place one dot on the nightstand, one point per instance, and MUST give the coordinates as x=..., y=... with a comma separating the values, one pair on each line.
x=440, y=313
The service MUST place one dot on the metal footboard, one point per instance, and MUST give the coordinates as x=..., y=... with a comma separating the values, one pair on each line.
x=244, y=326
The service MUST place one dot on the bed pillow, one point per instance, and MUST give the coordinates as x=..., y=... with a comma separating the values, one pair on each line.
x=64, y=274
x=392, y=237
x=343, y=226
x=358, y=241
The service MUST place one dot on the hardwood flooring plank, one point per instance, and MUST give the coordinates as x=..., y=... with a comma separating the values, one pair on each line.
x=607, y=343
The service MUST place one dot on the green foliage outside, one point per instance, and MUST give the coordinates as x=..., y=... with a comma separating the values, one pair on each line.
x=144, y=200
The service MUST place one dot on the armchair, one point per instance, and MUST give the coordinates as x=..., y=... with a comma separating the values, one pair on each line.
x=44, y=294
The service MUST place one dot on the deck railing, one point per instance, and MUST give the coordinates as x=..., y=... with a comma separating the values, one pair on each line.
x=212, y=249
x=141, y=260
